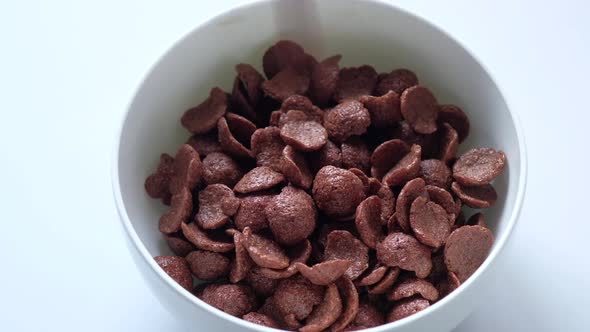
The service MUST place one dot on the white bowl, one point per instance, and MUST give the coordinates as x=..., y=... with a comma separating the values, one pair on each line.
x=364, y=32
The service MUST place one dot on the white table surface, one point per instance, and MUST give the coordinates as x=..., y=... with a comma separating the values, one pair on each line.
x=68, y=68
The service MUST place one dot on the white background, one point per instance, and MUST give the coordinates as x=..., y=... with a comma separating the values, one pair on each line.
x=68, y=69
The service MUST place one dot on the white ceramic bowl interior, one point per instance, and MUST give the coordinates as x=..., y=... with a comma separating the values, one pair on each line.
x=364, y=32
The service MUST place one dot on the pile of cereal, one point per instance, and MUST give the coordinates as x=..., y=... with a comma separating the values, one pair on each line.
x=323, y=198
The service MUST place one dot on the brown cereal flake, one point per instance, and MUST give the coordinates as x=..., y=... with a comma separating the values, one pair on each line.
x=251, y=212
x=479, y=166
x=178, y=244
x=398, y=80
x=405, y=169
x=368, y=221
x=229, y=143
x=242, y=263
x=337, y=192
x=449, y=143
x=384, y=110
x=373, y=276
x=346, y=119
x=205, y=144
x=325, y=313
x=455, y=116
x=286, y=83
x=264, y=252
x=156, y=185
x=479, y=197
x=236, y=300
x=187, y=170
x=324, y=77
x=411, y=190
x=297, y=296
x=386, y=282
x=259, y=178
x=216, y=204
x=406, y=307
x=268, y=146
x=204, y=240
x=350, y=297
x=435, y=173
x=179, y=212
x=220, y=168
x=291, y=216
x=208, y=265
x=343, y=245
x=299, y=253
x=387, y=155
x=466, y=249
x=329, y=154
x=304, y=135
x=405, y=252
x=202, y=118
x=324, y=273
x=411, y=287
x=356, y=154
x=177, y=268
x=261, y=319
x=284, y=54
x=420, y=109
x=354, y=82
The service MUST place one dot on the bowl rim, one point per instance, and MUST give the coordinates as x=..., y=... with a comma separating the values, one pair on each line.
x=138, y=245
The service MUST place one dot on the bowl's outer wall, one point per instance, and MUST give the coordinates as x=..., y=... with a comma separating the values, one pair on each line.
x=364, y=32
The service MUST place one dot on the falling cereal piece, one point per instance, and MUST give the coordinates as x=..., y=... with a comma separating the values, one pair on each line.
x=202, y=118
x=411, y=287
x=284, y=54
x=384, y=110
x=350, y=298
x=324, y=273
x=420, y=109
x=479, y=166
x=386, y=282
x=405, y=252
x=325, y=313
x=466, y=249
x=236, y=300
x=205, y=241
x=405, y=169
x=286, y=83
x=429, y=222
x=216, y=204
x=291, y=216
x=398, y=80
x=368, y=221
x=406, y=308
x=207, y=265
x=343, y=245
x=179, y=212
x=354, y=82
x=264, y=252
x=324, y=77
x=177, y=268
x=479, y=197
x=187, y=170
x=259, y=178
x=346, y=119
